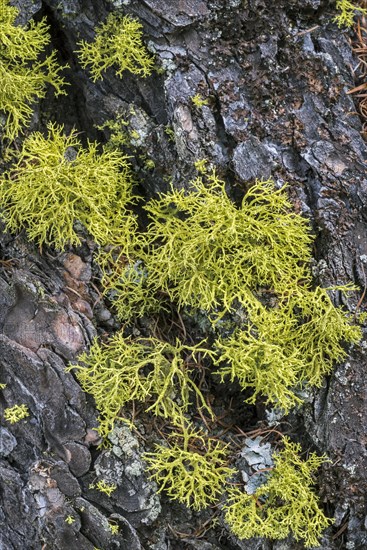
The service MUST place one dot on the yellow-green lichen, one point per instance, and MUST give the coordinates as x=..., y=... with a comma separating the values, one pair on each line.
x=190, y=468
x=55, y=182
x=114, y=528
x=69, y=520
x=169, y=131
x=119, y=135
x=205, y=252
x=347, y=11
x=198, y=101
x=125, y=281
x=202, y=166
x=297, y=341
x=285, y=504
x=24, y=70
x=148, y=370
x=16, y=413
x=104, y=487
x=118, y=43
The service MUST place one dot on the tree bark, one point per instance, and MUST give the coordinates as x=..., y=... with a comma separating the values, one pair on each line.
x=276, y=75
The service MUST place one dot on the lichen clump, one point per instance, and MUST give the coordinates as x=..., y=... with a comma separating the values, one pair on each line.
x=205, y=252
x=16, y=413
x=247, y=263
x=118, y=43
x=297, y=342
x=202, y=250
x=191, y=469
x=23, y=73
x=150, y=370
x=125, y=279
x=285, y=504
x=199, y=101
x=105, y=487
x=55, y=182
x=347, y=11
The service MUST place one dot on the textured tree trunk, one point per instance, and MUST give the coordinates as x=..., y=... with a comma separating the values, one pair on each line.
x=276, y=75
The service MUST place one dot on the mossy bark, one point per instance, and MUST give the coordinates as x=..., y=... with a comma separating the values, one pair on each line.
x=275, y=75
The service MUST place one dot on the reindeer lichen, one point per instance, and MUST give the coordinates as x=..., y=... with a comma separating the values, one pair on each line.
x=347, y=11
x=23, y=74
x=285, y=504
x=105, y=487
x=16, y=413
x=200, y=250
x=125, y=281
x=118, y=42
x=55, y=182
x=147, y=369
x=199, y=101
x=281, y=347
x=114, y=528
x=69, y=520
x=205, y=252
x=191, y=469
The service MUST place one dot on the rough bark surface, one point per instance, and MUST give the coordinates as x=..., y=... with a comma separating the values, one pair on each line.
x=276, y=74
